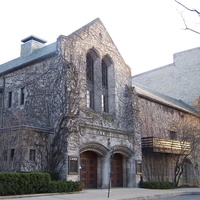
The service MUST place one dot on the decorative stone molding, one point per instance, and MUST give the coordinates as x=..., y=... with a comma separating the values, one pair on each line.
x=98, y=148
x=123, y=150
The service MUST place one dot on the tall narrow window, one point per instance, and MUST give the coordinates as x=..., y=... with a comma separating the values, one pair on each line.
x=104, y=70
x=32, y=154
x=104, y=74
x=90, y=68
x=12, y=153
x=90, y=81
x=90, y=99
x=9, y=99
x=22, y=96
x=104, y=103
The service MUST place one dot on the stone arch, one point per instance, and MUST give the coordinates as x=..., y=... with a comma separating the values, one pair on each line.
x=93, y=53
x=96, y=147
x=108, y=60
x=123, y=150
x=111, y=83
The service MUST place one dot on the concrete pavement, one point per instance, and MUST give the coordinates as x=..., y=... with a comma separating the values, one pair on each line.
x=115, y=194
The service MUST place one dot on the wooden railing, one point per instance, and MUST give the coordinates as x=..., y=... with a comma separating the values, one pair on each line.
x=156, y=144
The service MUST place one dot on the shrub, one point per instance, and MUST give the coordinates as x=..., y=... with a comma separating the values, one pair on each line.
x=65, y=186
x=34, y=182
x=158, y=185
x=57, y=186
x=12, y=183
x=54, y=176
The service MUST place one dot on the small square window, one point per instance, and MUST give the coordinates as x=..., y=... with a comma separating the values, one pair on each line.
x=173, y=135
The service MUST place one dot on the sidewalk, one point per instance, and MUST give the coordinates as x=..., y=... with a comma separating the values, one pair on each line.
x=115, y=194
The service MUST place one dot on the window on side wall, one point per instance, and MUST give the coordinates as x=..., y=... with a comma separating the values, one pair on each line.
x=32, y=155
x=138, y=167
x=22, y=96
x=173, y=135
x=9, y=99
x=12, y=154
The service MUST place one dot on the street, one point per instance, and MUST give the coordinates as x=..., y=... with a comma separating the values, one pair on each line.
x=185, y=197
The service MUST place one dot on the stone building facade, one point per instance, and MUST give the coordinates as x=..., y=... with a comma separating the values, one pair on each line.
x=67, y=107
x=168, y=129
x=169, y=103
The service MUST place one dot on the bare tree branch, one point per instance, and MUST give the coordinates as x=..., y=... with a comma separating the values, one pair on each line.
x=184, y=21
x=192, y=10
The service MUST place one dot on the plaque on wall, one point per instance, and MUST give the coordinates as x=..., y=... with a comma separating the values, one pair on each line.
x=73, y=165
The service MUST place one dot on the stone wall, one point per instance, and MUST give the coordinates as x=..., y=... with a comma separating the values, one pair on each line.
x=55, y=100
x=161, y=121
x=179, y=79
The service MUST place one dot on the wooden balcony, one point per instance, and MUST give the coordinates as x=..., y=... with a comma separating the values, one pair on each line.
x=162, y=145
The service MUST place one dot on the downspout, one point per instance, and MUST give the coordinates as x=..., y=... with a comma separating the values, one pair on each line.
x=2, y=102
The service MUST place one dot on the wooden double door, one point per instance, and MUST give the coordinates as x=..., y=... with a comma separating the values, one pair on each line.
x=117, y=171
x=88, y=172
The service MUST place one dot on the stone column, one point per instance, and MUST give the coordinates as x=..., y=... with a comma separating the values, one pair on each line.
x=106, y=170
x=131, y=172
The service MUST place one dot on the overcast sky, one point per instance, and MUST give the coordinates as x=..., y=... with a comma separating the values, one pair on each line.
x=146, y=32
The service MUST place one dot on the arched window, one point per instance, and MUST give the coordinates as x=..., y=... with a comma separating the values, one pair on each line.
x=108, y=85
x=104, y=70
x=90, y=68
x=90, y=81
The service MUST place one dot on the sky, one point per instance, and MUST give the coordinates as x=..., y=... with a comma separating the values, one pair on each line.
x=146, y=32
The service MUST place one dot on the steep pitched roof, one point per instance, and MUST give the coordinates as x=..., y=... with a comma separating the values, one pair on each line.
x=163, y=99
x=44, y=51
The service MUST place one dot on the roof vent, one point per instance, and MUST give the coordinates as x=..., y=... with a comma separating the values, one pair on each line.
x=31, y=44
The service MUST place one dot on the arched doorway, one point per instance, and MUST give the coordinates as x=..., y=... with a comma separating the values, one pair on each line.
x=88, y=172
x=117, y=170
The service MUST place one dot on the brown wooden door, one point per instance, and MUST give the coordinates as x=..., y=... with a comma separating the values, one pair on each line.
x=117, y=171
x=88, y=170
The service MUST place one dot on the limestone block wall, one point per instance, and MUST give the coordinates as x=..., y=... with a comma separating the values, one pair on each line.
x=179, y=79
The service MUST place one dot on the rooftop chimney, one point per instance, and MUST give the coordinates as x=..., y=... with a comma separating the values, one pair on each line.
x=31, y=44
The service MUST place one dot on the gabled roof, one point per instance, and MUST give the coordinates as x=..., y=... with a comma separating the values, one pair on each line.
x=163, y=99
x=44, y=51
x=21, y=61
